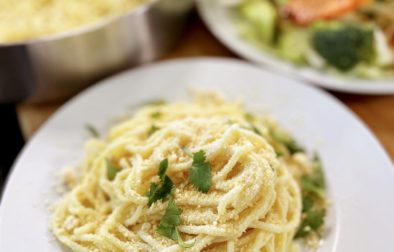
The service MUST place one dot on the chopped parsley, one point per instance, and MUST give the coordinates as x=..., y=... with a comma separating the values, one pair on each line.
x=200, y=172
x=291, y=145
x=160, y=191
x=152, y=129
x=169, y=223
x=314, y=183
x=92, y=130
x=163, y=168
x=312, y=221
x=310, y=184
x=313, y=194
x=155, y=115
x=250, y=118
x=255, y=129
x=307, y=203
x=112, y=170
x=170, y=220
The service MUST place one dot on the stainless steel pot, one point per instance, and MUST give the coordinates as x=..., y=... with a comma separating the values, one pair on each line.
x=60, y=65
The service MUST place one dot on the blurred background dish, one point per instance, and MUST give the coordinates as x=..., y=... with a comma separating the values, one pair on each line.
x=50, y=50
x=28, y=20
x=351, y=53
x=50, y=62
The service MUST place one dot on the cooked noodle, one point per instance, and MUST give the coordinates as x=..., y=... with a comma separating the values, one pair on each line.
x=254, y=203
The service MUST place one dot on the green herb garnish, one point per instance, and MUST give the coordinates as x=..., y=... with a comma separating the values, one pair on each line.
x=291, y=145
x=307, y=203
x=312, y=221
x=313, y=194
x=163, y=189
x=155, y=114
x=314, y=182
x=200, y=172
x=255, y=129
x=169, y=222
x=112, y=170
x=309, y=184
x=163, y=168
x=250, y=118
x=92, y=130
x=152, y=129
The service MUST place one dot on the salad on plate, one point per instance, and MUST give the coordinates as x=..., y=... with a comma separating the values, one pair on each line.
x=345, y=37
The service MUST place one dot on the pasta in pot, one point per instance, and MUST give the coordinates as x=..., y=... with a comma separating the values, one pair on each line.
x=29, y=19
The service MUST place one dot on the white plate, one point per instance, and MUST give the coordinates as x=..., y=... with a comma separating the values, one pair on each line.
x=359, y=173
x=219, y=21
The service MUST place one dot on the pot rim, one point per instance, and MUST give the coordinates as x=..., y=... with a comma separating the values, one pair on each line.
x=83, y=29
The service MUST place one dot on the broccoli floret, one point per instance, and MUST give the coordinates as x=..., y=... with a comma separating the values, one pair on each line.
x=343, y=45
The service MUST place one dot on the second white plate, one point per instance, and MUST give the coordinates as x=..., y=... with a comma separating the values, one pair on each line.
x=218, y=19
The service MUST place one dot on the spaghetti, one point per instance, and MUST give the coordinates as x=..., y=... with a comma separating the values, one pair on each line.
x=253, y=204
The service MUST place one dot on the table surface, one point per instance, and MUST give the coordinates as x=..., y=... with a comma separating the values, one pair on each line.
x=376, y=111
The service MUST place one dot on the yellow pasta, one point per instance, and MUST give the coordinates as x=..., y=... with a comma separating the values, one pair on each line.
x=253, y=204
x=29, y=19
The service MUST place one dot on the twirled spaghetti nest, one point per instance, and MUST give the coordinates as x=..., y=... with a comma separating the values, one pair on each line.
x=253, y=204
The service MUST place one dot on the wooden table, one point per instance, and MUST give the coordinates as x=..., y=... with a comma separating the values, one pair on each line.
x=376, y=111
